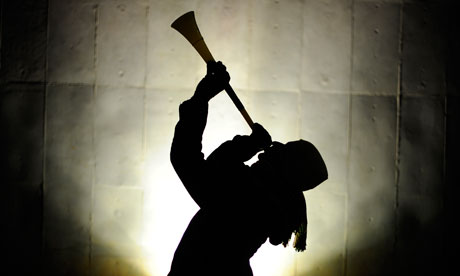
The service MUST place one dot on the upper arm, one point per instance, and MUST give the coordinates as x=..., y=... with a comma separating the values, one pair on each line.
x=191, y=167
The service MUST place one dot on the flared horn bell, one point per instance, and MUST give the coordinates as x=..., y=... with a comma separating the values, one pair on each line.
x=186, y=25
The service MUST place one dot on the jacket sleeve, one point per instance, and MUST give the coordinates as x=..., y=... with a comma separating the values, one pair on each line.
x=186, y=156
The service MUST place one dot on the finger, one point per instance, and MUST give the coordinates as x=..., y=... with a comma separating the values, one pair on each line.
x=220, y=66
x=211, y=67
x=222, y=76
x=259, y=128
x=226, y=77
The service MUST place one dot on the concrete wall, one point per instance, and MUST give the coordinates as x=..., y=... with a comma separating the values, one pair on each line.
x=89, y=98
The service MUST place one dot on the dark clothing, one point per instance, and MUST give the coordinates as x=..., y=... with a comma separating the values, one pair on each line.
x=234, y=210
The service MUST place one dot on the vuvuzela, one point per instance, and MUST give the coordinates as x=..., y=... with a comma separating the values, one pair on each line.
x=186, y=25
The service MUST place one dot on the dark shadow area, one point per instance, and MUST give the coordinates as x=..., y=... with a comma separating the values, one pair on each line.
x=21, y=123
x=452, y=148
x=24, y=38
x=419, y=246
x=418, y=250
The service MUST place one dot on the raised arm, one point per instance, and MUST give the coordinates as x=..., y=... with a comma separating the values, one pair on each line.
x=186, y=156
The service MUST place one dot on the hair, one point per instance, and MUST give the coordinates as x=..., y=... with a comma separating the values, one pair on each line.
x=292, y=220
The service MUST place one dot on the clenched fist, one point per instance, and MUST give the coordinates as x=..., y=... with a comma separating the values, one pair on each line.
x=216, y=79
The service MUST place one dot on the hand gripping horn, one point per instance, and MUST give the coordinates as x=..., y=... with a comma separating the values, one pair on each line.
x=186, y=25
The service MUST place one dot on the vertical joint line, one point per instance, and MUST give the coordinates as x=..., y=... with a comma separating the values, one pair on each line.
x=93, y=102
x=45, y=93
x=1, y=32
x=398, y=126
x=348, y=156
x=144, y=132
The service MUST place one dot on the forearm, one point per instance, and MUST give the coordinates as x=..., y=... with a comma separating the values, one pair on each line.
x=186, y=146
x=240, y=149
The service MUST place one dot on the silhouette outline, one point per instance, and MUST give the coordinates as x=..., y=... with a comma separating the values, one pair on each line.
x=240, y=206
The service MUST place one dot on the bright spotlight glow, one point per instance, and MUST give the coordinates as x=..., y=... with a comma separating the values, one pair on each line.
x=272, y=260
x=167, y=211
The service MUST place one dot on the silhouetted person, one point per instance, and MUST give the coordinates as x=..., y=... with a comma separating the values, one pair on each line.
x=240, y=206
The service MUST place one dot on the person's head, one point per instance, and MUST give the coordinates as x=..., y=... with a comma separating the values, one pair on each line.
x=296, y=167
x=298, y=163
